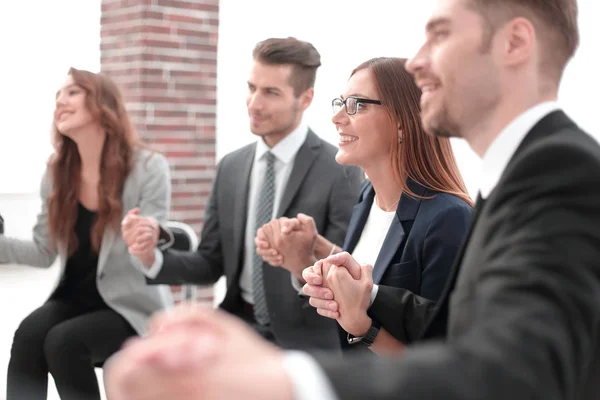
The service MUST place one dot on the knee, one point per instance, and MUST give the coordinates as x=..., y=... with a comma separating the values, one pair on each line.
x=60, y=346
x=27, y=337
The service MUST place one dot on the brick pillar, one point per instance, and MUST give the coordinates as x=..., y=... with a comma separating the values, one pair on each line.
x=163, y=55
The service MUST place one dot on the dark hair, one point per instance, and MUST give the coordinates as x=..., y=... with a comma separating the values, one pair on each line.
x=555, y=22
x=105, y=103
x=424, y=158
x=302, y=56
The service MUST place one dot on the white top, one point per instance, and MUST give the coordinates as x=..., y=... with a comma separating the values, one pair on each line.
x=285, y=154
x=373, y=235
x=307, y=376
x=505, y=145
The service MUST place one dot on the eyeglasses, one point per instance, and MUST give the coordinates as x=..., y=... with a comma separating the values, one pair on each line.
x=351, y=104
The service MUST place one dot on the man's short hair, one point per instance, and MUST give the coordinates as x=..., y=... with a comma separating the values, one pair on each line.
x=555, y=22
x=302, y=56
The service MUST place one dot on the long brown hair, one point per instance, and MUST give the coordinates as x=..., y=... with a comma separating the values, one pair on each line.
x=105, y=103
x=425, y=159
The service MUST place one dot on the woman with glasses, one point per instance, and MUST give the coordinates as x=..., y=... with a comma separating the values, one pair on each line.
x=413, y=211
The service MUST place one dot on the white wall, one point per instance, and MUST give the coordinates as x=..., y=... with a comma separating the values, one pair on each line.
x=39, y=40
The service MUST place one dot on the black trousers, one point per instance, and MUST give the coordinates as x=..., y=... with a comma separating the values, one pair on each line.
x=67, y=341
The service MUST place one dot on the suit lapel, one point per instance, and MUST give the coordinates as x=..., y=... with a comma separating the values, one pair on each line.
x=241, y=186
x=302, y=164
x=405, y=212
x=360, y=214
x=108, y=239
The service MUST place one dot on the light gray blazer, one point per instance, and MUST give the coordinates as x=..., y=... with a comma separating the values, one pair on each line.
x=120, y=283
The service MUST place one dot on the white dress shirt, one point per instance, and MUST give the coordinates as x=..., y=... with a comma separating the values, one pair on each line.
x=308, y=378
x=285, y=153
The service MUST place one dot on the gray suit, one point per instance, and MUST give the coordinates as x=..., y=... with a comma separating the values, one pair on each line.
x=121, y=284
x=318, y=187
x=521, y=310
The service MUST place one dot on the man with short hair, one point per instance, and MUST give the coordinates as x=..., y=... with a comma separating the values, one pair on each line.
x=521, y=311
x=289, y=170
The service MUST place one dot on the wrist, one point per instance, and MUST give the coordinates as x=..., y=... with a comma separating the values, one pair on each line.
x=148, y=259
x=323, y=248
x=362, y=327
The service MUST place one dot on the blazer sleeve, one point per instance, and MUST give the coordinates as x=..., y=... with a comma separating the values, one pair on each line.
x=205, y=265
x=40, y=251
x=155, y=197
x=536, y=321
x=401, y=312
x=342, y=198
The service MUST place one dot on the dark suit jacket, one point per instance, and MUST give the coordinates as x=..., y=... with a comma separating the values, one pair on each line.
x=524, y=300
x=317, y=186
x=421, y=244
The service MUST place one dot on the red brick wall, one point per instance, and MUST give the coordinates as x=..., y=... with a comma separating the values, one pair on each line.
x=163, y=54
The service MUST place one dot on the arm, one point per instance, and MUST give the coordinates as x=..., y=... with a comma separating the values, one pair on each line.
x=204, y=266
x=40, y=252
x=155, y=199
x=535, y=302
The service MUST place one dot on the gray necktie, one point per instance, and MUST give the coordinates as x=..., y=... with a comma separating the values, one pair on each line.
x=264, y=213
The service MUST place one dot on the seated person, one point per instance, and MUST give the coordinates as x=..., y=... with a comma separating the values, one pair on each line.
x=99, y=170
x=413, y=212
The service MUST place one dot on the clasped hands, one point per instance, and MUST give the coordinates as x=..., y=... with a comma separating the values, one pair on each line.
x=339, y=287
x=141, y=235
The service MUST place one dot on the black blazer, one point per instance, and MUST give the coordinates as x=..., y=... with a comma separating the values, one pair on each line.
x=318, y=186
x=524, y=298
x=421, y=244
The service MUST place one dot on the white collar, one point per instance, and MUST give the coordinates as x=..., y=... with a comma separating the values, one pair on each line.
x=287, y=148
x=505, y=145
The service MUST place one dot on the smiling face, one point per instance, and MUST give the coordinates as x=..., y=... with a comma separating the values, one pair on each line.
x=71, y=114
x=274, y=109
x=456, y=71
x=365, y=136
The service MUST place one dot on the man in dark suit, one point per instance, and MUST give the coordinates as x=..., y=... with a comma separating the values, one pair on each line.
x=523, y=318
x=287, y=171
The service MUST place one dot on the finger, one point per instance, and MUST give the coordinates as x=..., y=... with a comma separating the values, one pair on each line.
x=366, y=272
x=290, y=225
x=134, y=211
x=260, y=235
x=182, y=349
x=261, y=243
x=306, y=220
x=344, y=259
x=328, y=313
x=310, y=277
x=317, y=292
x=330, y=305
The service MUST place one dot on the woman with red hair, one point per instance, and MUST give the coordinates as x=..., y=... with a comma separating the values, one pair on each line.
x=98, y=170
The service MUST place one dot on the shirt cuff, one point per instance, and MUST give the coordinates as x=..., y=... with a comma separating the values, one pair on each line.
x=152, y=271
x=373, y=294
x=296, y=284
x=308, y=379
